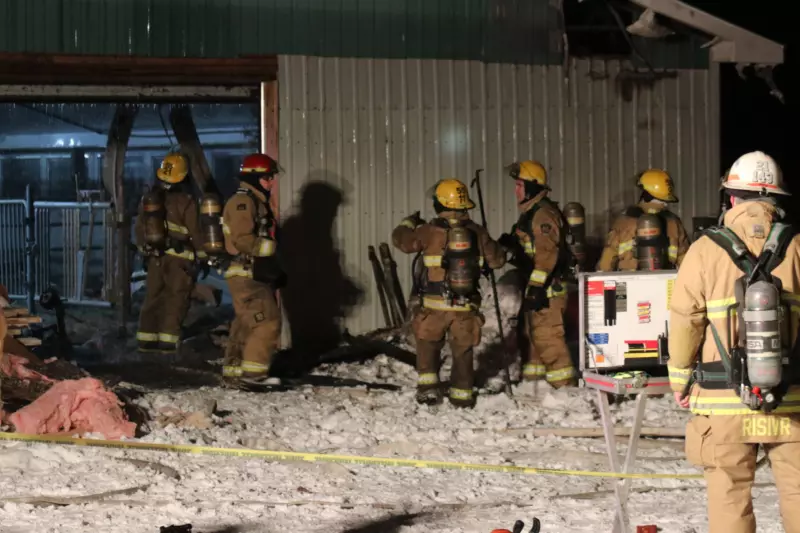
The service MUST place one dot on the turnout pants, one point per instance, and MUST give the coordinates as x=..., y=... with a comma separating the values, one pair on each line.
x=548, y=355
x=729, y=470
x=169, y=286
x=430, y=328
x=255, y=331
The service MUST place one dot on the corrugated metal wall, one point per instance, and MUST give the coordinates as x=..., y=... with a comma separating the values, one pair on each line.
x=384, y=131
x=507, y=31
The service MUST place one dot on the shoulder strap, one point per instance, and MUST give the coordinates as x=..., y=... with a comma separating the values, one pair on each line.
x=733, y=245
x=780, y=235
x=439, y=222
x=633, y=211
x=526, y=218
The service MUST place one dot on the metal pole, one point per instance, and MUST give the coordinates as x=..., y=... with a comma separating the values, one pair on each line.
x=30, y=248
x=262, y=123
x=490, y=274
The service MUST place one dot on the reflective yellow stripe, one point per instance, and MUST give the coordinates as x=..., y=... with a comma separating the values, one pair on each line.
x=460, y=394
x=428, y=379
x=408, y=223
x=719, y=308
x=168, y=337
x=177, y=228
x=560, y=375
x=538, y=277
x=679, y=376
x=552, y=293
x=432, y=260
x=626, y=246
x=441, y=305
x=793, y=300
x=730, y=405
x=201, y=254
x=529, y=248
x=186, y=254
x=238, y=271
x=146, y=337
x=436, y=260
x=266, y=248
x=673, y=253
x=231, y=371
x=534, y=370
x=254, y=368
x=226, y=229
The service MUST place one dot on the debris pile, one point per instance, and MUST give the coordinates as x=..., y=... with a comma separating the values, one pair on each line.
x=52, y=396
x=75, y=406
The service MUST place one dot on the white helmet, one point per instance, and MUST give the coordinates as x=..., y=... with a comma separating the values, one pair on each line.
x=756, y=172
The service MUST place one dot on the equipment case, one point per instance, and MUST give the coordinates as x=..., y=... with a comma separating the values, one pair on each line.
x=623, y=320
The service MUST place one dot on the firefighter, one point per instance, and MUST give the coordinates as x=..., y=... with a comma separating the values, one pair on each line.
x=169, y=237
x=741, y=393
x=620, y=249
x=454, y=250
x=253, y=274
x=538, y=243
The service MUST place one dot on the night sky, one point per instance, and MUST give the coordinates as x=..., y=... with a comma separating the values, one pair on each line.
x=751, y=118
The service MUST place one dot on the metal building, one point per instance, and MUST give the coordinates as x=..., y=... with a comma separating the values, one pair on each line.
x=382, y=98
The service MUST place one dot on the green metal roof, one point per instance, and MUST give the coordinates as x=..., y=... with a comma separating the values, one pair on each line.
x=507, y=31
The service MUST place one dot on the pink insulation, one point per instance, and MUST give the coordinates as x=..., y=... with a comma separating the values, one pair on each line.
x=16, y=367
x=75, y=406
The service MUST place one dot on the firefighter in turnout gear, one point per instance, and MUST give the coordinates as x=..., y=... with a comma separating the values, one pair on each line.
x=169, y=237
x=454, y=251
x=634, y=224
x=253, y=273
x=732, y=345
x=538, y=242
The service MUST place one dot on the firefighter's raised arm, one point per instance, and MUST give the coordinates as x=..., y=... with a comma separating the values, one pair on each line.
x=406, y=236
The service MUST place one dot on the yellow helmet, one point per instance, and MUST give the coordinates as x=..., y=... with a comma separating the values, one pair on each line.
x=453, y=194
x=174, y=168
x=658, y=184
x=529, y=170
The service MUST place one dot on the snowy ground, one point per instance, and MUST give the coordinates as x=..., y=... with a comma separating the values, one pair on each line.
x=230, y=494
x=218, y=494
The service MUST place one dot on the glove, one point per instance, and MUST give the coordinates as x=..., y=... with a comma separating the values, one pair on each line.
x=416, y=218
x=508, y=241
x=536, y=299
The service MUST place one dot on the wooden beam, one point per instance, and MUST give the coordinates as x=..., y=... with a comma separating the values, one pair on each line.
x=186, y=132
x=58, y=69
x=113, y=165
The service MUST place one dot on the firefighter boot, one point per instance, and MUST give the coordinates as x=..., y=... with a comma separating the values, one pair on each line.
x=429, y=396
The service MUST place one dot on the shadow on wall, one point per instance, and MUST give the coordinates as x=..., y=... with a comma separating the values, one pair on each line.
x=318, y=294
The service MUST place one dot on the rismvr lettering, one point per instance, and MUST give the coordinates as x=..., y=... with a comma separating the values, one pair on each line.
x=765, y=426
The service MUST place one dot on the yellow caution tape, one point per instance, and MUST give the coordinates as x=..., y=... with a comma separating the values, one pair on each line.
x=328, y=458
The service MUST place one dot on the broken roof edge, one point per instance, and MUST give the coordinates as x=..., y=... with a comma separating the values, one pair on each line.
x=730, y=43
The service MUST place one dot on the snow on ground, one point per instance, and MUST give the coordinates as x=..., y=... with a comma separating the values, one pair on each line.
x=228, y=494
x=215, y=493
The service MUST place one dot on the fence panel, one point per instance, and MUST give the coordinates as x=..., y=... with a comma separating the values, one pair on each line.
x=13, y=247
x=79, y=257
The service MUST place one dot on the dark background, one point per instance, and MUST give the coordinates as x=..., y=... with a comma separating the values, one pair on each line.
x=752, y=119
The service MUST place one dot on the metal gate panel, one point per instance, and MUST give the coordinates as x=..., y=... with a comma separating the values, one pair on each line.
x=12, y=247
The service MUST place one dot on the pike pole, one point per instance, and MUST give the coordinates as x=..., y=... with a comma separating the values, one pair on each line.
x=490, y=274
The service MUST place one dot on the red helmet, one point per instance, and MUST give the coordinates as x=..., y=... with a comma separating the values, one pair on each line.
x=259, y=164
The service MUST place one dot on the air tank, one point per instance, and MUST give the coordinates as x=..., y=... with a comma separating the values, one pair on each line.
x=576, y=220
x=762, y=324
x=155, y=215
x=463, y=269
x=650, y=243
x=211, y=222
